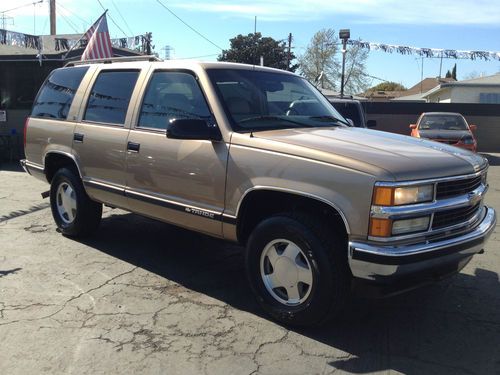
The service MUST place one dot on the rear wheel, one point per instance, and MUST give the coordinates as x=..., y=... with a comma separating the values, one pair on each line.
x=74, y=212
x=297, y=269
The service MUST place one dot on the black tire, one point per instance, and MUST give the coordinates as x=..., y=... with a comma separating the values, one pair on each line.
x=88, y=212
x=326, y=253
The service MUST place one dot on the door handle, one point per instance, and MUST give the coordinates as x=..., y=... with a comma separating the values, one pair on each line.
x=133, y=147
x=78, y=137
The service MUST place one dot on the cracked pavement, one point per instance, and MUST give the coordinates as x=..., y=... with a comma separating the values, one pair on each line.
x=144, y=297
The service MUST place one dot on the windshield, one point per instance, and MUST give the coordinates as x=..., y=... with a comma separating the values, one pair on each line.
x=255, y=100
x=443, y=122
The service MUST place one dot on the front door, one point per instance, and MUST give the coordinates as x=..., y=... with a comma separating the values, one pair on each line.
x=178, y=181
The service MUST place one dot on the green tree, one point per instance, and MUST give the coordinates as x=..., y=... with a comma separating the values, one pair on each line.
x=448, y=74
x=388, y=86
x=356, y=79
x=319, y=62
x=249, y=48
x=454, y=72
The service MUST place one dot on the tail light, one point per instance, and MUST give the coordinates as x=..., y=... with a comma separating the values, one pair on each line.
x=25, y=131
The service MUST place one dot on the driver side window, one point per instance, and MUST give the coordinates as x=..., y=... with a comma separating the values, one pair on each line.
x=171, y=95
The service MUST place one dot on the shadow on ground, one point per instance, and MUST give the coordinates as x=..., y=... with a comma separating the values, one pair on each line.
x=451, y=327
x=10, y=166
x=492, y=159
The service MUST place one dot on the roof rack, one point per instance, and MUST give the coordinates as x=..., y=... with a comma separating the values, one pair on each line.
x=114, y=59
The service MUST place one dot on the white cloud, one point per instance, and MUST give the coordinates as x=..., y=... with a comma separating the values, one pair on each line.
x=422, y=12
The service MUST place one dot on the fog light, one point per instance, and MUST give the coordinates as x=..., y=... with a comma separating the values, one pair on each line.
x=418, y=224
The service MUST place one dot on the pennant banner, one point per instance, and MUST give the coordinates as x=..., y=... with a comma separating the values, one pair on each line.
x=11, y=38
x=427, y=52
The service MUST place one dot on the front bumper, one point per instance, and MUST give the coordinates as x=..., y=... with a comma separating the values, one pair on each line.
x=391, y=263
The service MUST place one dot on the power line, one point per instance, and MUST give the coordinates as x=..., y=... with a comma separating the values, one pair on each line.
x=86, y=22
x=196, y=57
x=186, y=24
x=120, y=14
x=111, y=18
x=21, y=6
x=69, y=23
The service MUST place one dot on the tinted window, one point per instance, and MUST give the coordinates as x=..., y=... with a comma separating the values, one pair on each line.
x=349, y=110
x=108, y=101
x=262, y=100
x=57, y=93
x=172, y=95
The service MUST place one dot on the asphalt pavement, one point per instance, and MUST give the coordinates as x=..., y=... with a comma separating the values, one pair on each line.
x=145, y=297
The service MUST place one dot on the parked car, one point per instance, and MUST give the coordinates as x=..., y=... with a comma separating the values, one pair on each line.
x=445, y=127
x=257, y=156
x=352, y=109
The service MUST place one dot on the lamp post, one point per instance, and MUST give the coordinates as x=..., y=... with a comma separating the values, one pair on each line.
x=344, y=34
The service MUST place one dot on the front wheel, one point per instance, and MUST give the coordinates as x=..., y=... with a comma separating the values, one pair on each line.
x=74, y=212
x=297, y=269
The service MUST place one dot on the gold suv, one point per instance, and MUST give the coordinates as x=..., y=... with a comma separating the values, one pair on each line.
x=257, y=156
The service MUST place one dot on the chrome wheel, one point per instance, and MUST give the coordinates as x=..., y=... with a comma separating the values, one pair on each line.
x=66, y=202
x=286, y=272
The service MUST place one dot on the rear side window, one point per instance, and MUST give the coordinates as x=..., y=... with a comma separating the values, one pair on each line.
x=57, y=93
x=110, y=96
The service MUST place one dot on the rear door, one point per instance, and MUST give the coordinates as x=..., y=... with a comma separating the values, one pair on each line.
x=178, y=181
x=100, y=137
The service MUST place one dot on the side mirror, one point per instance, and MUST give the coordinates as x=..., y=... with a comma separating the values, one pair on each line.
x=350, y=121
x=413, y=126
x=371, y=123
x=473, y=127
x=196, y=129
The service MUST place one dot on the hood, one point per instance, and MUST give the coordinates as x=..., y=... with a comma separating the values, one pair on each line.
x=404, y=158
x=444, y=134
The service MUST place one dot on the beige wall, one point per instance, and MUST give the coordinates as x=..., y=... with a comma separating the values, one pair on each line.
x=461, y=94
x=443, y=96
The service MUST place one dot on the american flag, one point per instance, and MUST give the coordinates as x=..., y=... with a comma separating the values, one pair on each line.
x=99, y=43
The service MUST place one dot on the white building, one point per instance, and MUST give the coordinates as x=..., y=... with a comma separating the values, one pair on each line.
x=478, y=90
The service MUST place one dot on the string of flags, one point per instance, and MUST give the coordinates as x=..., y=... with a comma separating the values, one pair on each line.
x=427, y=52
x=12, y=38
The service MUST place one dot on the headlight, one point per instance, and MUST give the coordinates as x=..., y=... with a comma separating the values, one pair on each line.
x=418, y=224
x=390, y=196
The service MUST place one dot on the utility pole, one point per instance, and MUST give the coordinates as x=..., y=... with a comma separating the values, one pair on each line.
x=6, y=18
x=52, y=6
x=289, y=54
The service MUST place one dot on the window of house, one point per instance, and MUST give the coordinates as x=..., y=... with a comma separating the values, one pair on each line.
x=109, y=99
x=172, y=95
x=57, y=93
x=489, y=98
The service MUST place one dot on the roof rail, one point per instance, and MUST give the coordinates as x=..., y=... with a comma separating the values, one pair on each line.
x=114, y=59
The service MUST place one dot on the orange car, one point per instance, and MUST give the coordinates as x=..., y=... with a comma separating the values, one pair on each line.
x=445, y=127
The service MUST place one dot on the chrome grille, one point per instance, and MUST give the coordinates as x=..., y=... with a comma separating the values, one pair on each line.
x=449, y=189
x=454, y=216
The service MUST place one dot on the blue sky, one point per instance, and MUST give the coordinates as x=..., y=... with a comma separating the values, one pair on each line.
x=450, y=24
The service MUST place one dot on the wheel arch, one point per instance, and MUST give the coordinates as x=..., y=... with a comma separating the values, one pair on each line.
x=55, y=160
x=260, y=202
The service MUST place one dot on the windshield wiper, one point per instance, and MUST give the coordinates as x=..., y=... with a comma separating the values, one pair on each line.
x=272, y=118
x=329, y=118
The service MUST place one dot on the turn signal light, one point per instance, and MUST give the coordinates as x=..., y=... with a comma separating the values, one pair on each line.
x=383, y=196
x=380, y=227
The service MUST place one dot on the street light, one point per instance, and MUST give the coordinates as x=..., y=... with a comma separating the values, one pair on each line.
x=344, y=34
